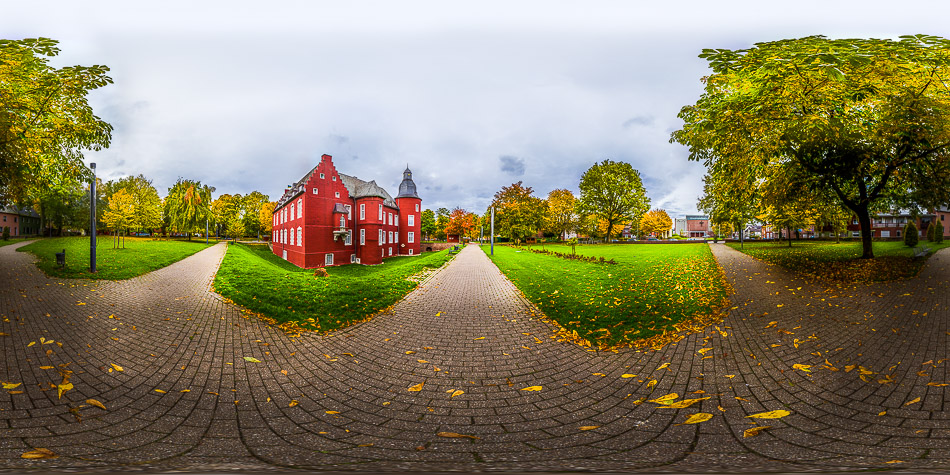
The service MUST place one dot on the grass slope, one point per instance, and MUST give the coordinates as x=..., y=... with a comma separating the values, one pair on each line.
x=651, y=289
x=253, y=277
x=140, y=256
x=841, y=262
x=12, y=240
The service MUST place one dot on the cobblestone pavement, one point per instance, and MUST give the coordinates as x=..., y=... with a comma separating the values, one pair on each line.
x=187, y=399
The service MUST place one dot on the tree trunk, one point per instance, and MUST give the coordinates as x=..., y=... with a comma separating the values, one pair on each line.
x=864, y=217
x=788, y=231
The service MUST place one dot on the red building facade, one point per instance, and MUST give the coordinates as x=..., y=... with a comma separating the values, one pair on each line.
x=328, y=219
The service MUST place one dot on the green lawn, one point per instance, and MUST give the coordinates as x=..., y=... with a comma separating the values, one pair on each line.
x=253, y=277
x=12, y=240
x=652, y=289
x=841, y=262
x=141, y=255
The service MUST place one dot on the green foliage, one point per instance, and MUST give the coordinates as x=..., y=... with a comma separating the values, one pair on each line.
x=427, y=224
x=562, y=213
x=840, y=263
x=518, y=213
x=441, y=222
x=141, y=255
x=911, y=235
x=6, y=233
x=145, y=205
x=45, y=119
x=648, y=291
x=866, y=121
x=252, y=276
x=187, y=206
x=937, y=231
x=252, y=205
x=614, y=193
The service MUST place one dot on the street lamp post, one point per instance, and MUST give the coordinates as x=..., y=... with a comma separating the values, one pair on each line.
x=92, y=220
x=492, y=232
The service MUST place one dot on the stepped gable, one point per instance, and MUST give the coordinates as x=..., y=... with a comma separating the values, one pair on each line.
x=295, y=189
x=360, y=189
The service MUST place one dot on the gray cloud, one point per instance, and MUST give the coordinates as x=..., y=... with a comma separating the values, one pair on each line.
x=513, y=166
x=638, y=120
x=420, y=82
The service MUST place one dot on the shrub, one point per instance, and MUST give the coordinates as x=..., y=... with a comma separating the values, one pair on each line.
x=6, y=233
x=911, y=236
x=938, y=231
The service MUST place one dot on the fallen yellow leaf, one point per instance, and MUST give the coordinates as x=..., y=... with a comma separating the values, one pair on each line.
x=416, y=388
x=160, y=391
x=117, y=367
x=913, y=401
x=895, y=461
x=333, y=412
x=457, y=392
x=730, y=376
x=63, y=387
x=480, y=338
x=46, y=367
x=698, y=417
x=39, y=453
x=685, y=403
x=664, y=365
x=754, y=431
x=939, y=385
x=628, y=375
x=96, y=403
x=293, y=402
x=588, y=427
x=11, y=385
x=667, y=399
x=802, y=367
x=882, y=413
x=778, y=414
x=531, y=388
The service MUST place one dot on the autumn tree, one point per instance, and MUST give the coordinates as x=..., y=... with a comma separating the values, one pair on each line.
x=188, y=205
x=226, y=210
x=461, y=222
x=252, y=204
x=655, y=221
x=265, y=217
x=427, y=224
x=614, y=192
x=147, y=206
x=441, y=222
x=45, y=118
x=867, y=119
x=121, y=213
x=562, y=213
x=518, y=213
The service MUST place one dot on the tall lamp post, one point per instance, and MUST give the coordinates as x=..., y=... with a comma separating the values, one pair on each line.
x=92, y=220
x=492, y=237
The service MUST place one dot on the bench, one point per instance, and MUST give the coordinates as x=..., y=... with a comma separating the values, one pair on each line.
x=454, y=250
x=921, y=251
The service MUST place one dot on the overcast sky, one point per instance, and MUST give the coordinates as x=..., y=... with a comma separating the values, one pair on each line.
x=473, y=96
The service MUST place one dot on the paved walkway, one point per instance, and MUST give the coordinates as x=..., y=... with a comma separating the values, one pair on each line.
x=187, y=399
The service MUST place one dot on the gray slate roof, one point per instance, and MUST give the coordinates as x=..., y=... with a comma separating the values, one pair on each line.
x=359, y=189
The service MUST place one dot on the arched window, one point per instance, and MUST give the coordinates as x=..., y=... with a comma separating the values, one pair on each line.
x=291, y=211
x=300, y=236
x=342, y=222
x=291, y=237
x=300, y=207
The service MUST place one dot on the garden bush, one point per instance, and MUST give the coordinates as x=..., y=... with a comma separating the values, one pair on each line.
x=6, y=233
x=911, y=236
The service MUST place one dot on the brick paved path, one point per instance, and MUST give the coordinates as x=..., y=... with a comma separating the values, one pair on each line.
x=186, y=398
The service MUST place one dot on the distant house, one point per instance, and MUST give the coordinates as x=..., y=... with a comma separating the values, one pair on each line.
x=21, y=221
x=679, y=226
x=328, y=218
x=891, y=224
x=697, y=226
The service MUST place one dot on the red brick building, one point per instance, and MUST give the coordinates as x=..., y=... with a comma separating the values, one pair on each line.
x=328, y=218
x=697, y=226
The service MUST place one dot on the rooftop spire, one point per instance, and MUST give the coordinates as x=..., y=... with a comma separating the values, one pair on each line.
x=407, y=189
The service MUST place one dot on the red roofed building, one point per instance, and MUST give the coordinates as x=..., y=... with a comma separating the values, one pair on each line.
x=328, y=219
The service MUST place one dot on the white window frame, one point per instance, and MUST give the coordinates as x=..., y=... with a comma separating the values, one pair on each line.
x=390, y=236
x=342, y=221
x=396, y=238
x=362, y=237
x=291, y=211
x=334, y=177
x=348, y=239
x=352, y=258
x=411, y=238
x=362, y=211
x=410, y=252
x=328, y=259
x=349, y=211
x=336, y=194
x=381, y=216
x=417, y=207
x=382, y=237
x=299, y=236
x=291, y=237
x=390, y=251
x=315, y=191
x=411, y=220
x=321, y=176
x=390, y=219
x=299, y=207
